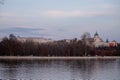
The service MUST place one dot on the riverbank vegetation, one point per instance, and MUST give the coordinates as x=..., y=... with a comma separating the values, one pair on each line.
x=10, y=46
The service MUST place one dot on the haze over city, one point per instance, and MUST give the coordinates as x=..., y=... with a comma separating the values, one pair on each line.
x=60, y=19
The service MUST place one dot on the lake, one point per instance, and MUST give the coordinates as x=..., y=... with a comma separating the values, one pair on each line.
x=62, y=69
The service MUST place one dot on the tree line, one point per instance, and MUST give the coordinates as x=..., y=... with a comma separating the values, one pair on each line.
x=10, y=46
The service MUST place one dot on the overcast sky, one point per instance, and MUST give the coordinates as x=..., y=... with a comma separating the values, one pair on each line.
x=59, y=19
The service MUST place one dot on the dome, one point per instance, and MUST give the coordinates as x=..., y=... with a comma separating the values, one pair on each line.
x=96, y=34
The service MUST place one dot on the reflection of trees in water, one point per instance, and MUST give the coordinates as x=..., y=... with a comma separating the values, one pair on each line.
x=118, y=63
x=105, y=63
x=86, y=69
x=30, y=68
x=12, y=68
x=77, y=69
x=106, y=69
x=82, y=68
x=9, y=69
x=118, y=67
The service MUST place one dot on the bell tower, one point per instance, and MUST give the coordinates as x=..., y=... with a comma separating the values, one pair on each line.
x=96, y=35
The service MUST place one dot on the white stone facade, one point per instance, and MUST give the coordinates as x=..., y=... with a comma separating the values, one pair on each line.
x=98, y=42
x=38, y=40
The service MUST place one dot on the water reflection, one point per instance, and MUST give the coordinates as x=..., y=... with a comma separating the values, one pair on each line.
x=83, y=69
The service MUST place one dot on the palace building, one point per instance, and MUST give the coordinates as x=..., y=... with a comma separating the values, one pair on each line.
x=98, y=42
x=34, y=39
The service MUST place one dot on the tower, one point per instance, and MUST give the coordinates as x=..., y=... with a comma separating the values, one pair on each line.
x=97, y=38
x=96, y=35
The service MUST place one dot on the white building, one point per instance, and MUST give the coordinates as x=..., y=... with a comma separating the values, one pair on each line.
x=98, y=42
x=35, y=39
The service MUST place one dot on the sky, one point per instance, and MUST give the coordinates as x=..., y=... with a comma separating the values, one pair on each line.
x=60, y=19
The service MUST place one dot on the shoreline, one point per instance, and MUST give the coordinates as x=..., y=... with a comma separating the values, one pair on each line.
x=59, y=57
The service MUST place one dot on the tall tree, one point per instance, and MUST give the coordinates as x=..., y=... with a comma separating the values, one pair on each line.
x=85, y=39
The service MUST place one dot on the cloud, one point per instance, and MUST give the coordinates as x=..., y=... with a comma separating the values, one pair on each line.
x=61, y=14
x=107, y=6
x=11, y=18
x=101, y=9
x=98, y=10
x=22, y=31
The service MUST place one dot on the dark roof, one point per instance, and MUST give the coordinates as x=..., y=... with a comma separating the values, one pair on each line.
x=96, y=34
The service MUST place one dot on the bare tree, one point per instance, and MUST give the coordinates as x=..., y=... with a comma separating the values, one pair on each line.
x=85, y=39
x=86, y=35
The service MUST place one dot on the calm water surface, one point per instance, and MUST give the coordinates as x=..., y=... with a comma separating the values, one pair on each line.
x=82, y=69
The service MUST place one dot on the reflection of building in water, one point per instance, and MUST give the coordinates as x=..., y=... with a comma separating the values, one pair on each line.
x=96, y=41
x=39, y=40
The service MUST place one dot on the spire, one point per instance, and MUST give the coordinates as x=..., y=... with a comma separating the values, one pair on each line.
x=96, y=34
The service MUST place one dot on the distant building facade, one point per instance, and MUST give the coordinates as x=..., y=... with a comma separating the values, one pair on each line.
x=38, y=40
x=96, y=41
x=112, y=43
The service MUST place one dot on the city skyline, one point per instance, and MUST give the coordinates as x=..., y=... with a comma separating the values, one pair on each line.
x=60, y=19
